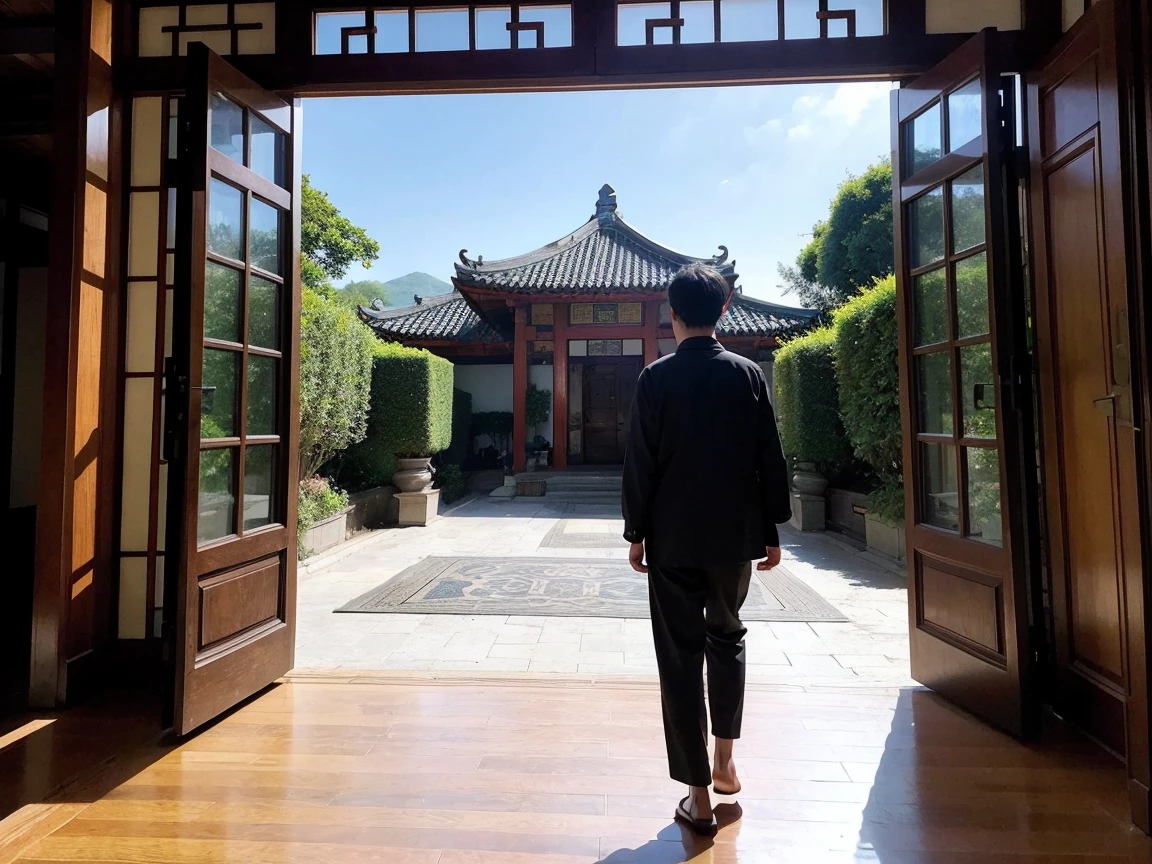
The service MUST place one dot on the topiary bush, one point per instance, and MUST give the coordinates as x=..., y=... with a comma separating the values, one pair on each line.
x=806, y=402
x=410, y=414
x=868, y=374
x=336, y=351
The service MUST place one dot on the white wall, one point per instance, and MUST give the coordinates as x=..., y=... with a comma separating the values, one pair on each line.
x=31, y=318
x=490, y=386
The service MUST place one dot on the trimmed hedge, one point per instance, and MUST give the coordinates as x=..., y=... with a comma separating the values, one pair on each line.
x=867, y=370
x=807, y=403
x=336, y=352
x=410, y=413
x=868, y=374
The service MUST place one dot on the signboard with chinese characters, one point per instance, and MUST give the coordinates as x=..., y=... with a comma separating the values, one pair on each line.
x=580, y=313
x=542, y=313
x=631, y=313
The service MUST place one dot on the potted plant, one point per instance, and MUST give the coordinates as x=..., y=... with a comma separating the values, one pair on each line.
x=537, y=410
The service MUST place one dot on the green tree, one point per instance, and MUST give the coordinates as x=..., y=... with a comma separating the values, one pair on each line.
x=852, y=247
x=329, y=242
x=362, y=292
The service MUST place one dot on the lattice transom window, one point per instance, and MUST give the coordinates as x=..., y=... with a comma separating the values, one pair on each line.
x=418, y=30
x=684, y=22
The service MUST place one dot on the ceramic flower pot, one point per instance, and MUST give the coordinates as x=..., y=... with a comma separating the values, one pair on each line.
x=807, y=481
x=414, y=475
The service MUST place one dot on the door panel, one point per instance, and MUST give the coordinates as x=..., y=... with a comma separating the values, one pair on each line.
x=961, y=339
x=600, y=411
x=1088, y=440
x=232, y=385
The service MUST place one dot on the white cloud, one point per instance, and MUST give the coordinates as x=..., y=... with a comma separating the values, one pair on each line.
x=802, y=132
x=850, y=101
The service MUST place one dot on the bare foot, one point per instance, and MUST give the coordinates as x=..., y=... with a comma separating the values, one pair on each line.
x=696, y=811
x=724, y=778
x=699, y=804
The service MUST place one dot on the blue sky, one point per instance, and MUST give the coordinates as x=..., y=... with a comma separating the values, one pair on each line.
x=752, y=168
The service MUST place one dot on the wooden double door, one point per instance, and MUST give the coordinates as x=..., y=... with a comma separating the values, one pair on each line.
x=998, y=624
x=608, y=387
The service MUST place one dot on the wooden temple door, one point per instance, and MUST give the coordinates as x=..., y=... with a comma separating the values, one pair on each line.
x=964, y=391
x=232, y=391
x=601, y=414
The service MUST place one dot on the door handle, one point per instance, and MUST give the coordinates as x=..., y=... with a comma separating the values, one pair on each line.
x=1106, y=405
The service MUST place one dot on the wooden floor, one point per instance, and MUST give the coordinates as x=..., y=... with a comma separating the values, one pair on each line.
x=470, y=771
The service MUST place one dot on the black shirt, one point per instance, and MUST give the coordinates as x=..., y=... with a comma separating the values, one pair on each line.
x=705, y=481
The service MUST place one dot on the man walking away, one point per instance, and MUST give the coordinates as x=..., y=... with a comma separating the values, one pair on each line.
x=705, y=484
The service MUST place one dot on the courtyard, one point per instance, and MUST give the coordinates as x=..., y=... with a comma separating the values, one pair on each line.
x=845, y=625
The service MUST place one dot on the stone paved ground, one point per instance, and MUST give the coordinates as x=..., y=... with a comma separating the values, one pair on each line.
x=870, y=650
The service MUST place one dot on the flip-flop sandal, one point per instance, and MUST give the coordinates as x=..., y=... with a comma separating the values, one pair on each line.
x=703, y=827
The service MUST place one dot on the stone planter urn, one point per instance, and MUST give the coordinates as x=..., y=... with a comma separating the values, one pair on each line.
x=807, y=480
x=414, y=475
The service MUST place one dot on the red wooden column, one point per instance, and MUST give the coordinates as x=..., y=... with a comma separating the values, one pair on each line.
x=520, y=389
x=560, y=386
x=651, y=331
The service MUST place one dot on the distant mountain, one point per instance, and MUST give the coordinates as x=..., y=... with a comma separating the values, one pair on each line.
x=403, y=289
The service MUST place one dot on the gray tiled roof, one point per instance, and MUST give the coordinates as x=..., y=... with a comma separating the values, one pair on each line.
x=750, y=317
x=444, y=318
x=603, y=256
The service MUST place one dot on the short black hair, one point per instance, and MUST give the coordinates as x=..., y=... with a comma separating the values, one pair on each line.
x=697, y=294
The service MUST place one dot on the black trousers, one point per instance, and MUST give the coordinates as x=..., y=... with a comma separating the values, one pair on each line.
x=696, y=615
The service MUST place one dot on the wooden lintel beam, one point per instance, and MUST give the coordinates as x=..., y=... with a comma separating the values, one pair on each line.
x=30, y=37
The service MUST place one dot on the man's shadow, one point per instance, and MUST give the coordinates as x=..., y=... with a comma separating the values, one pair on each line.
x=677, y=843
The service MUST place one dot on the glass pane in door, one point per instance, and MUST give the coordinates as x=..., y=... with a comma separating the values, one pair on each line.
x=226, y=220
x=268, y=152
x=264, y=237
x=968, y=210
x=227, y=128
x=938, y=488
x=983, y=494
x=931, y=308
x=925, y=141
x=261, y=395
x=978, y=385
x=221, y=302
x=971, y=276
x=965, y=115
x=934, y=393
x=219, y=394
x=217, y=505
x=926, y=228
x=263, y=312
x=259, y=485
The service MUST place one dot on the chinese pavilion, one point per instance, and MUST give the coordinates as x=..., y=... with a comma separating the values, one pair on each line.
x=579, y=317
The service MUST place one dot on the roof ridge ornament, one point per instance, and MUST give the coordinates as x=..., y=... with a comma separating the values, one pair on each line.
x=722, y=257
x=470, y=264
x=378, y=304
x=606, y=206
